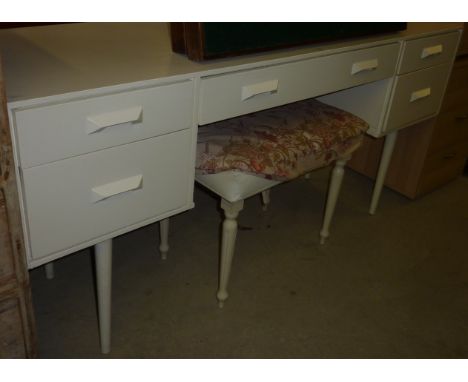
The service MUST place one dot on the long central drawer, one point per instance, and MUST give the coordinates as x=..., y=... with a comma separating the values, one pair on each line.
x=73, y=201
x=239, y=93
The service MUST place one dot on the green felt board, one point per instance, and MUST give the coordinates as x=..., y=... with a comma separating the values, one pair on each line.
x=225, y=38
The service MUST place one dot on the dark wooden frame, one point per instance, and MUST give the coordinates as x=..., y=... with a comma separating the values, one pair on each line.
x=190, y=39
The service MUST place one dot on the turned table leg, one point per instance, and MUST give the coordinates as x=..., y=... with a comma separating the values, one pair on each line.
x=228, y=242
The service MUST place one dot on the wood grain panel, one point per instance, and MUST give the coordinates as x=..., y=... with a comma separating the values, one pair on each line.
x=463, y=47
x=11, y=334
x=17, y=328
x=6, y=258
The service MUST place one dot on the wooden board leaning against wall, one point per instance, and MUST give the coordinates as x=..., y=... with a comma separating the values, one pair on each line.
x=429, y=154
x=17, y=329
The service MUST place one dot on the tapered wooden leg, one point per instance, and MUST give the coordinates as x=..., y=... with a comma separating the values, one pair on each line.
x=228, y=241
x=389, y=145
x=333, y=192
x=103, y=258
x=164, y=238
x=49, y=270
x=265, y=199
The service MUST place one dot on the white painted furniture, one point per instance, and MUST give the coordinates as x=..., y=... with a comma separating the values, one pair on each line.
x=234, y=187
x=413, y=94
x=104, y=118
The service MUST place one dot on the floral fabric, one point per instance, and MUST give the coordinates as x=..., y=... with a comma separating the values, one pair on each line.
x=280, y=143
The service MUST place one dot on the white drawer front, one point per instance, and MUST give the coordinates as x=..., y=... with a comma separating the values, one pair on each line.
x=76, y=200
x=417, y=96
x=428, y=51
x=235, y=94
x=55, y=132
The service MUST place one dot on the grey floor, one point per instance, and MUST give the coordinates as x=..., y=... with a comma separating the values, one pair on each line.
x=394, y=285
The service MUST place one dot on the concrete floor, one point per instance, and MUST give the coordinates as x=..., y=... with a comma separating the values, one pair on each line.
x=394, y=285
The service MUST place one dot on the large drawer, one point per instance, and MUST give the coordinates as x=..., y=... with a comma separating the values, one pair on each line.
x=442, y=167
x=429, y=51
x=239, y=93
x=416, y=96
x=456, y=95
x=54, y=132
x=451, y=128
x=76, y=200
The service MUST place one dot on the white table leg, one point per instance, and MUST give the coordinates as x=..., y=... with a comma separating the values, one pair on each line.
x=103, y=259
x=164, y=238
x=332, y=197
x=265, y=199
x=49, y=270
x=228, y=242
x=389, y=145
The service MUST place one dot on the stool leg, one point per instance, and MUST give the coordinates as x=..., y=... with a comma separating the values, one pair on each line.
x=333, y=191
x=389, y=145
x=49, y=270
x=265, y=199
x=228, y=241
x=164, y=238
x=103, y=259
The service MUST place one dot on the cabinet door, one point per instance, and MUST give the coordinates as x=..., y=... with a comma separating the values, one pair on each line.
x=17, y=331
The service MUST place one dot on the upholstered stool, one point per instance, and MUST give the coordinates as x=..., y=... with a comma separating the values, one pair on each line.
x=244, y=156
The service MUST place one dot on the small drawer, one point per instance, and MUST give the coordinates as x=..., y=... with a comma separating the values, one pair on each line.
x=429, y=51
x=244, y=92
x=73, y=201
x=50, y=133
x=416, y=96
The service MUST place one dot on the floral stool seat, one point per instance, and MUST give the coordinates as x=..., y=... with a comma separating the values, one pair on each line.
x=241, y=157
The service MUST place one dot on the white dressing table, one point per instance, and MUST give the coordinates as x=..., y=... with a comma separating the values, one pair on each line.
x=104, y=118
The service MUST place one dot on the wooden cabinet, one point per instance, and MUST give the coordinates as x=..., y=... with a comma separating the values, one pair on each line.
x=17, y=335
x=431, y=153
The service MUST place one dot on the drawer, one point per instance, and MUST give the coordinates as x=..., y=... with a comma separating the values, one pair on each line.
x=73, y=201
x=443, y=167
x=429, y=51
x=463, y=48
x=416, y=96
x=50, y=133
x=451, y=128
x=244, y=92
x=456, y=95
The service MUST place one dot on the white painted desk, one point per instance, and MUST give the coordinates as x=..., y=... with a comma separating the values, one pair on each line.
x=104, y=118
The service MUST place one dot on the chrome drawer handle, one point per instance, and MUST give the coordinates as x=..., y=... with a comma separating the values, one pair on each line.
x=249, y=91
x=96, y=123
x=420, y=94
x=431, y=51
x=364, y=66
x=115, y=188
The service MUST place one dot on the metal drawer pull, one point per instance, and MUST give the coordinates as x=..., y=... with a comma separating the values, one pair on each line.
x=250, y=91
x=461, y=117
x=364, y=66
x=431, y=51
x=95, y=123
x=420, y=94
x=115, y=188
